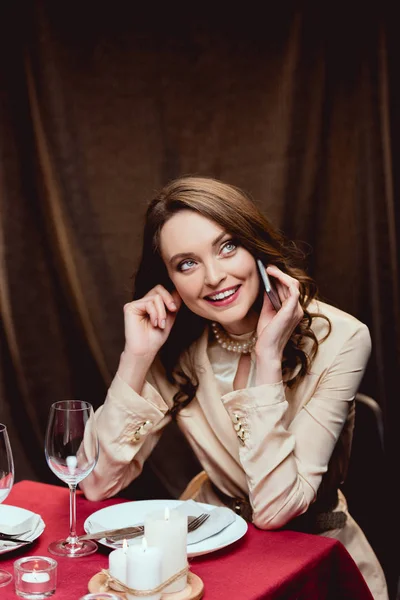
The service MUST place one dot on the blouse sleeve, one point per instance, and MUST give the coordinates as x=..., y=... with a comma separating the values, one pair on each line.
x=284, y=464
x=129, y=426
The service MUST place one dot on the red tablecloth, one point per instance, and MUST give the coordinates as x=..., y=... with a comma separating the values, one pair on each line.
x=263, y=564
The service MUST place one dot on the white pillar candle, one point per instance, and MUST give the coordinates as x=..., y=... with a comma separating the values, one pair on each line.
x=117, y=563
x=167, y=530
x=144, y=569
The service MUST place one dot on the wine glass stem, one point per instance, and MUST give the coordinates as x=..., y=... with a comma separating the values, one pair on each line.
x=72, y=539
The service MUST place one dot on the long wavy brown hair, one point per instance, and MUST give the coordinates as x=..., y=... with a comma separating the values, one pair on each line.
x=235, y=212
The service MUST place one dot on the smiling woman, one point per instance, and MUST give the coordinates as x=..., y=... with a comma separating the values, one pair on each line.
x=213, y=274
x=265, y=397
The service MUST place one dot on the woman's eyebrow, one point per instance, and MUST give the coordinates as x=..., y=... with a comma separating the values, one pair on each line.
x=181, y=255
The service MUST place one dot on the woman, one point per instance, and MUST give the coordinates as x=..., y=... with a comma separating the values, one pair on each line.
x=264, y=397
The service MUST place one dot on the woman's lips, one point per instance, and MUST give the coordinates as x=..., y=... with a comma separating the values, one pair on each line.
x=224, y=301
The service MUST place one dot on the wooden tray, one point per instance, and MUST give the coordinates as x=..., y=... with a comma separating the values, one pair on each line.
x=193, y=591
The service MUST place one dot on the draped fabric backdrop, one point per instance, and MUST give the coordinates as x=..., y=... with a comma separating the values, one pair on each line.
x=103, y=103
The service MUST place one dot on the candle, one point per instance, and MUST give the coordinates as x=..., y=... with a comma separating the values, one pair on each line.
x=144, y=569
x=167, y=530
x=35, y=576
x=117, y=563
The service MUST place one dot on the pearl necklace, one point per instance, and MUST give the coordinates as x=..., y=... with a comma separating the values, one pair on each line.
x=230, y=344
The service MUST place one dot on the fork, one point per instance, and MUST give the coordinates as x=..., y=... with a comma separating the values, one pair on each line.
x=193, y=524
x=9, y=535
x=12, y=537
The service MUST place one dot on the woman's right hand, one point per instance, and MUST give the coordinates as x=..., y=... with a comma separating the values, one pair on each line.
x=148, y=322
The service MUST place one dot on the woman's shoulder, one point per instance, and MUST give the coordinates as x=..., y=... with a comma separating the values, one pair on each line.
x=340, y=325
x=336, y=315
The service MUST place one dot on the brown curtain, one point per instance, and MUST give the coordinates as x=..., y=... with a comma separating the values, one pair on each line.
x=103, y=103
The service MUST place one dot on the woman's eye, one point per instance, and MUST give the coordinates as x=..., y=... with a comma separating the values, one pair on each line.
x=186, y=265
x=229, y=246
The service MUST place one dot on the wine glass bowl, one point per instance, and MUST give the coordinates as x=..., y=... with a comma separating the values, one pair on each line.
x=72, y=450
x=6, y=482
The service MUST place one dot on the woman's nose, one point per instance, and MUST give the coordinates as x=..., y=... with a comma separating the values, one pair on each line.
x=214, y=274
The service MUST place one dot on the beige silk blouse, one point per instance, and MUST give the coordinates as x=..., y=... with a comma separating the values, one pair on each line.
x=293, y=437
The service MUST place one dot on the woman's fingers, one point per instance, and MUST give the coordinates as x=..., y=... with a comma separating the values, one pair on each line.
x=284, y=278
x=148, y=308
x=292, y=304
x=141, y=308
x=160, y=310
x=288, y=289
x=152, y=311
x=155, y=304
x=168, y=298
x=176, y=301
x=285, y=284
x=281, y=289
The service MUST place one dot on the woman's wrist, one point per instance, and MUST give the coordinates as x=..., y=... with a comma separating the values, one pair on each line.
x=133, y=370
x=268, y=369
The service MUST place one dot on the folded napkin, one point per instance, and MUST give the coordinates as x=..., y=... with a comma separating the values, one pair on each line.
x=25, y=529
x=220, y=517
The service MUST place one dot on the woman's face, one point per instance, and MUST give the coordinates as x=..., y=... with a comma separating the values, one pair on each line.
x=215, y=277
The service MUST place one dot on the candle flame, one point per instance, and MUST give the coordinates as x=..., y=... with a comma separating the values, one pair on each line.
x=166, y=513
x=125, y=545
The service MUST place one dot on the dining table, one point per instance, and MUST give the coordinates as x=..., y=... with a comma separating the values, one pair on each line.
x=262, y=564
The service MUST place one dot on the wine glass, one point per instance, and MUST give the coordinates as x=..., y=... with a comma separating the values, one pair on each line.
x=72, y=450
x=6, y=482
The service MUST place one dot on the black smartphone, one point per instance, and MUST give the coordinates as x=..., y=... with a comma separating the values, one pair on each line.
x=271, y=292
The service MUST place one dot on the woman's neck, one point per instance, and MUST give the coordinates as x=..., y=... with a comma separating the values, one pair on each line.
x=246, y=325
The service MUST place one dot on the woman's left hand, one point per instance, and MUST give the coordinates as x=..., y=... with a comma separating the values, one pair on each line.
x=274, y=329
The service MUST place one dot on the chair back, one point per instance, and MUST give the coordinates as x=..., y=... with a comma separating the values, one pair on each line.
x=366, y=484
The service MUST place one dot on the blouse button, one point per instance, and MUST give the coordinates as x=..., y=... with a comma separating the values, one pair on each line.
x=141, y=430
x=239, y=427
x=136, y=435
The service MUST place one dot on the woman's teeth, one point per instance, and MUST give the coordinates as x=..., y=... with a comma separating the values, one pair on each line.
x=222, y=295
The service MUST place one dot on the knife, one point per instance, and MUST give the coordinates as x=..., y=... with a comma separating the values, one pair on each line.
x=98, y=535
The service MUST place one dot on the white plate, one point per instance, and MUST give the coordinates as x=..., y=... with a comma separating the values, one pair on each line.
x=132, y=513
x=12, y=515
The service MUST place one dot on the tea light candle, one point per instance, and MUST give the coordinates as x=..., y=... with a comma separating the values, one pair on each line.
x=167, y=530
x=144, y=569
x=35, y=576
x=117, y=562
